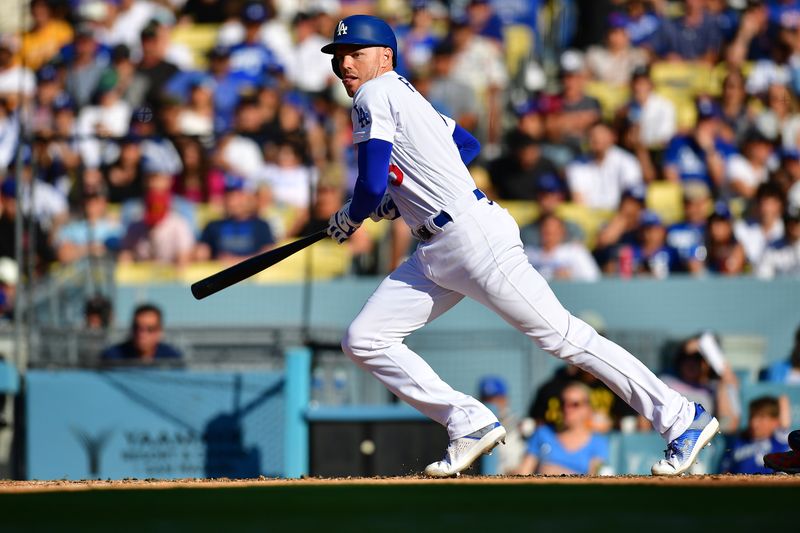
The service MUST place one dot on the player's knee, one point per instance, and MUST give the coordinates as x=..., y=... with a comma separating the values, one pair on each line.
x=356, y=342
x=569, y=344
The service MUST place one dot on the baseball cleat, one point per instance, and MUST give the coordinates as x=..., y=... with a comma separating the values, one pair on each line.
x=788, y=462
x=462, y=452
x=682, y=452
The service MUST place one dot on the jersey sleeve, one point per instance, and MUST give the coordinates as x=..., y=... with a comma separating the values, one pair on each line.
x=372, y=115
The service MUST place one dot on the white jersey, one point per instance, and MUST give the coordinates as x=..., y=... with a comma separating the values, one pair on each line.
x=429, y=173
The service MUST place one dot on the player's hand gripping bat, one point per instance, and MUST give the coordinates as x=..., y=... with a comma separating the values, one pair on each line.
x=249, y=267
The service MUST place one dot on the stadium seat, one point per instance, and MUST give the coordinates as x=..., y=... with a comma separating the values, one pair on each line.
x=519, y=44
x=328, y=260
x=666, y=199
x=751, y=391
x=144, y=273
x=523, y=211
x=746, y=353
x=611, y=97
x=590, y=220
x=199, y=38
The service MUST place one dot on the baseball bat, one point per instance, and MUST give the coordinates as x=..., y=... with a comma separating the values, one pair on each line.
x=249, y=267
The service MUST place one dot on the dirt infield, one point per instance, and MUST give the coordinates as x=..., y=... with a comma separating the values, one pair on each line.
x=153, y=484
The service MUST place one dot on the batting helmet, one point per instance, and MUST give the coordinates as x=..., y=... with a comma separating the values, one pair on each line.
x=365, y=30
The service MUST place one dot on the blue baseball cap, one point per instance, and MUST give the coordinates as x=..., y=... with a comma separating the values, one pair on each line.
x=9, y=188
x=617, y=20
x=234, y=182
x=254, y=13
x=637, y=192
x=550, y=183
x=527, y=107
x=721, y=210
x=46, y=73
x=63, y=102
x=492, y=386
x=792, y=154
x=650, y=218
x=707, y=109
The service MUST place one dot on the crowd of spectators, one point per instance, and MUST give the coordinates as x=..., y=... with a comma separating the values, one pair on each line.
x=179, y=131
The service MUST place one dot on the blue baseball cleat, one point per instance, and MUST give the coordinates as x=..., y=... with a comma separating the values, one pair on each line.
x=682, y=452
x=461, y=453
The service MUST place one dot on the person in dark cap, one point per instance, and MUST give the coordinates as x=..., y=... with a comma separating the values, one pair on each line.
x=241, y=233
x=516, y=175
x=153, y=66
x=550, y=196
x=622, y=229
x=701, y=154
x=251, y=57
x=85, y=68
x=652, y=256
x=765, y=228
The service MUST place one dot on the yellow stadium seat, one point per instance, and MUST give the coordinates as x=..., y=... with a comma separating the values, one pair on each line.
x=199, y=38
x=205, y=213
x=611, y=97
x=523, y=211
x=518, y=39
x=376, y=230
x=589, y=220
x=328, y=260
x=144, y=273
x=666, y=199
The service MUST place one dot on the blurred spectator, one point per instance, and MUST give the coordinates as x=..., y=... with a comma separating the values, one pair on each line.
x=753, y=41
x=107, y=117
x=642, y=22
x=736, y=119
x=9, y=277
x=417, y=40
x=517, y=175
x=531, y=122
x=767, y=431
x=779, y=121
x=199, y=181
x=124, y=176
x=251, y=56
x=788, y=370
x=38, y=198
x=85, y=68
x=723, y=253
x=783, y=258
x=550, y=194
x=155, y=145
x=725, y=17
x=747, y=171
x=228, y=87
x=652, y=256
x=15, y=80
x=688, y=236
x=621, y=230
x=572, y=447
x=694, y=378
x=571, y=113
x=47, y=35
x=484, y=21
x=48, y=89
x=153, y=66
x=766, y=228
x=273, y=32
x=61, y=156
x=309, y=70
x=493, y=392
x=787, y=177
x=126, y=20
x=599, y=179
x=559, y=259
x=145, y=342
x=9, y=135
x=240, y=234
x=97, y=313
x=196, y=119
x=448, y=94
x=162, y=234
x=94, y=234
x=694, y=36
x=608, y=410
x=617, y=60
x=132, y=85
x=702, y=154
x=288, y=181
x=43, y=252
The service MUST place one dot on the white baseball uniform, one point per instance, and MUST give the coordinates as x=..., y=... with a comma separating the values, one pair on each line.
x=478, y=254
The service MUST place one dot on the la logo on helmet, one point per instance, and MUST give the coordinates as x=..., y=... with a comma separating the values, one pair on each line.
x=341, y=29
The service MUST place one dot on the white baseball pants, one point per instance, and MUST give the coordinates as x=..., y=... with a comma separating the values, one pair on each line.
x=480, y=255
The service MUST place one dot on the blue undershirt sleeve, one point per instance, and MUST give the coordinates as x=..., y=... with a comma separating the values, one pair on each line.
x=468, y=146
x=373, y=174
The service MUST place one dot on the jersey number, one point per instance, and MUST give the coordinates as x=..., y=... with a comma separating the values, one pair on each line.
x=406, y=83
x=395, y=175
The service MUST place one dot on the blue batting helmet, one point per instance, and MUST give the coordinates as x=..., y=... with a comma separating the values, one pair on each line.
x=365, y=30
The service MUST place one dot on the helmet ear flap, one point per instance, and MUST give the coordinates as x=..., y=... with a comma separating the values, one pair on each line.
x=335, y=67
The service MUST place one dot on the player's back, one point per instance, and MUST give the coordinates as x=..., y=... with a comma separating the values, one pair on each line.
x=432, y=174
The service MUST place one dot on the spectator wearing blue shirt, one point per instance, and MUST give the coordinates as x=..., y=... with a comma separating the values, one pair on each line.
x=229, y=85
x=417, y=40
x=572, y=448
x=693, y=37
x=251, y=57
x=94, y=235
x=754, y=39
x=144, y=346
x=767, y=432
x=688, y=235
x=652, y=256
x=484, y=20
x=642, y=24
x=701, y=155
x=241, y=233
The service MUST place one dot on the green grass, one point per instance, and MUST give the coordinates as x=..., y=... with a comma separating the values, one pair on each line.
x=410, y=508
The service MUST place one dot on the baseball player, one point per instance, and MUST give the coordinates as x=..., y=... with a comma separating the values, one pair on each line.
x=470, y=246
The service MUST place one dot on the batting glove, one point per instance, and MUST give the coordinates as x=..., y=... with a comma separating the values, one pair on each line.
x=341, y=226
x=386, y=210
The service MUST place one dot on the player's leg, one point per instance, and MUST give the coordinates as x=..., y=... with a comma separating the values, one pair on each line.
x=498, y=275
x=404, y=302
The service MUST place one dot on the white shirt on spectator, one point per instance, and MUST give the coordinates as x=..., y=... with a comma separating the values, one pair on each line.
x=611, y=68
x=480, y=65
x=601, y=185
x=243, y=156
x=114, y=120
x=793, y=196
x=44, y=201
x=658, y=123
x=195, y=124
x=784, y=261
x=128, y=26
x=310, y=69
x=289, y=185
x=570, y=260
x=754, y=240
x=17, y=79
x=9, y=135
x=738, y=168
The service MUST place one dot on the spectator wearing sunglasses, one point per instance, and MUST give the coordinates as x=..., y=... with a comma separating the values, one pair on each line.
x=144, y=345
